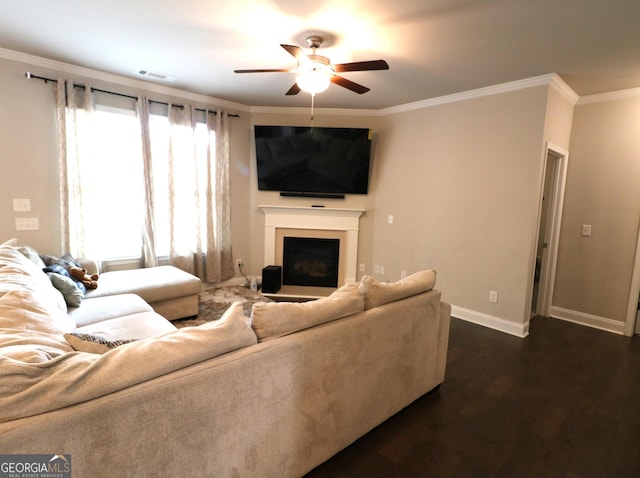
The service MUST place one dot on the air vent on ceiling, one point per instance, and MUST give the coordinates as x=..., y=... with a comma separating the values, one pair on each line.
x=155, y=76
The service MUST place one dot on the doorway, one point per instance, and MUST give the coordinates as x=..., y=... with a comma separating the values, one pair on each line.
x=555, y=172
x=632, y=324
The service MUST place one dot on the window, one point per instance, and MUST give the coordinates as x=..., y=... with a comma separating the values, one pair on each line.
x=189, y=180
x=111, y=179
x=112, y=182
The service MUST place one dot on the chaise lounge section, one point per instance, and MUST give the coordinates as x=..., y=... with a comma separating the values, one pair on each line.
x=171, y=292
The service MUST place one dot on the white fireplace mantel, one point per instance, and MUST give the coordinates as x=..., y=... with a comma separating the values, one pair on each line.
x=314, y=218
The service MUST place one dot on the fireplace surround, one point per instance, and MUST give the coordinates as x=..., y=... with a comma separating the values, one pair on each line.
x=313, y=222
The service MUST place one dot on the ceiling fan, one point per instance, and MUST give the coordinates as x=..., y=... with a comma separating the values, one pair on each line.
x=315, y=72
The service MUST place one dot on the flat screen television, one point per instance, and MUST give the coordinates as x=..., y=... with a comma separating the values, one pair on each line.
x=313, y=160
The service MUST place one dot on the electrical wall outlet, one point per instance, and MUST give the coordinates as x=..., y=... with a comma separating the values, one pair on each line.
x=239, y=262
x=381, y=269
x=376, y=269
x=493, y=296
x=403, y=274
x=362, y=268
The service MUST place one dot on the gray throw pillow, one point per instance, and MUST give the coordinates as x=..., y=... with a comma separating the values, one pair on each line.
x=67, y=287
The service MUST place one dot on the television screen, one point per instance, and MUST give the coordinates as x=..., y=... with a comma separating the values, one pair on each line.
x=313, y=159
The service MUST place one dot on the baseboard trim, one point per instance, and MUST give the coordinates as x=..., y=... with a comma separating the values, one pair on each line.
x=490, y=321
x=594, y=321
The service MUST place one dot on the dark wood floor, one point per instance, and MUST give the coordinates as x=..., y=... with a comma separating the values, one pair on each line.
x=563, y=402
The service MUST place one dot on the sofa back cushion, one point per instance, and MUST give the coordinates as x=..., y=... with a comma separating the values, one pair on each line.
x=275, y=319
x=76, y=377
x=377, y=293
x=28, y=301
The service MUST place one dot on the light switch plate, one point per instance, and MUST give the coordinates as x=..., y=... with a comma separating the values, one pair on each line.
x=27, y=224
x=22, y=205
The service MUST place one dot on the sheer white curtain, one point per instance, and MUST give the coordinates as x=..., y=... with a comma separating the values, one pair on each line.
x=180, y=195
x=185, y=202
x=199, y=221
x=219, y=263
x=74, y=107
x=149, y=256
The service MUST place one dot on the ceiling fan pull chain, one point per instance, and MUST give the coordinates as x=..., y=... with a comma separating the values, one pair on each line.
x=313, y=97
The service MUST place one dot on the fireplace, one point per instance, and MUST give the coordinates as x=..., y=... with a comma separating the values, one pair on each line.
x=310, y=261
x=336, y=224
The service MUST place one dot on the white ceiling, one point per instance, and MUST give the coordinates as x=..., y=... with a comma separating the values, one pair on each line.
x=433, y=47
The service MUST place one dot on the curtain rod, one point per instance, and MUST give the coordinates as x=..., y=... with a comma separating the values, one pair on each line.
x=30, y=75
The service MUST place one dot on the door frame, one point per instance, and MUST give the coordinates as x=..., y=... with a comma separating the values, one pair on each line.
x=548, y=267
x=630, y=325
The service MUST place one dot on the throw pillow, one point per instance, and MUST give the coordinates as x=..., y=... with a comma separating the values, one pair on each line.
x=377, y=293
x=72, y=294
x=63, y=271
x=31, y=254
x=275, y=319
x=94, y=344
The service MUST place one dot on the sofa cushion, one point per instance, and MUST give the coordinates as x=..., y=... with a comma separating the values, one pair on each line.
x=28, y=300
x=142, y=325
x=108, y=307
x=30, y=347
x=94, y=344
x=275, y=319
x=377, y=293
x=30, y=389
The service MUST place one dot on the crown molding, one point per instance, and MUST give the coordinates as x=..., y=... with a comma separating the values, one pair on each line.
x=550, y=79
x=558, y=84
x=613, y=95
x=88, y=73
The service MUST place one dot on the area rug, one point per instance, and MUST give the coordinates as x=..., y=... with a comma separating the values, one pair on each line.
x=215, y=301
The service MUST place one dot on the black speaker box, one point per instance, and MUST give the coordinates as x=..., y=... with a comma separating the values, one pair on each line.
x=271, y=279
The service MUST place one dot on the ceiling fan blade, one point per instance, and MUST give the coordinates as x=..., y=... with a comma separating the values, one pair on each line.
x=272, y=70
x=361, y=66
x=294, y=90
x=348, y=84
x=297, y=52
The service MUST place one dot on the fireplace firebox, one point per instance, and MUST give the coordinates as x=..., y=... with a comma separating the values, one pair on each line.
x=309, y=261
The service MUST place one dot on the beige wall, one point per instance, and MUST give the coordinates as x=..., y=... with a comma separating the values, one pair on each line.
x=462, y=181
x=559, y=117
x=28, y=164
x=594, y=273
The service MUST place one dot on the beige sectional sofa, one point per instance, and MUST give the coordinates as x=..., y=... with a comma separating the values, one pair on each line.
x=273, y=395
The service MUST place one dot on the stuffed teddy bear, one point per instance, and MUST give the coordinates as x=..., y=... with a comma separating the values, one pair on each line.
x=80, y=274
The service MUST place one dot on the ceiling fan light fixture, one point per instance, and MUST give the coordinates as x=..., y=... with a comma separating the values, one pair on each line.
x=314, y=72
x=314, y=77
